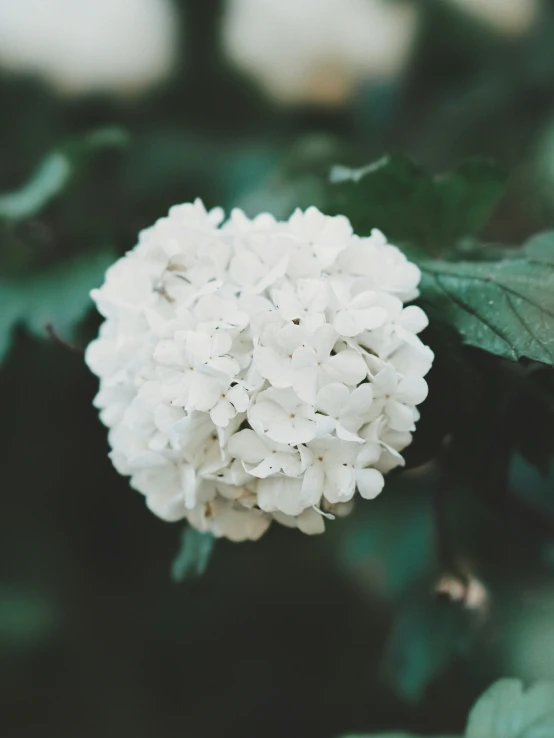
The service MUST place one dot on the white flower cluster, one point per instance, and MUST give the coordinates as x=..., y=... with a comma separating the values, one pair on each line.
x=120, y=47
x=258, y=370
x=318, y=50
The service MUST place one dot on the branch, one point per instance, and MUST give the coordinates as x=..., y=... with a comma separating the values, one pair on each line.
x=447, y=557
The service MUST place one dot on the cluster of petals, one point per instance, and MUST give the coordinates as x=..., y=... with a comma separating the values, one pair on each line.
x=255, y=370
x=82, y=47
x=332, y=46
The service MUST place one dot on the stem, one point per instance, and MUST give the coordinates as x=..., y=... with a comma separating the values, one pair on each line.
x=56, y=338
x=447, y=556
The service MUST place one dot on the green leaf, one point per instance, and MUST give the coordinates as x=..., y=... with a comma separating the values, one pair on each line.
x=504, y=307
x=298, y=182
x=427, y=636
x=540, y=248
x=390, y=548
x=194, y=554
x=409, y=205
x=58, y=296
x=507, y=711
x=55, y=172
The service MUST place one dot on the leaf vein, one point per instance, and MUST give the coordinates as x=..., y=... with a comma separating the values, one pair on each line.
x=527, y=327
x=467, y=308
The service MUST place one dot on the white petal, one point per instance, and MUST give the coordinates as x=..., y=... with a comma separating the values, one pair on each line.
x=204, y=391
x=360, y=401
x=313, y=294
x=312, y=484
x=266, y=414
x=304, y=383
x=312, y=321
x=289, y=521
x=311, y=522
x=347, y=435
x=347, y=366
x=369, y=453
x=221, y=343
x=247, y=446
x=239, y=397
x=372, y=318
x=413, y=319
x=199, y=345
x=286, y=398
x=222, y=366
x=293, y=431
x=323, y=341
x=324, y=425
x=280, y=493
x=411, y=390
x=363, y=300
x=400, y=417
x=412, y=360
x=272, y=275
x=304, y=357
x=291, y=337
x=169, y=352
x=222, y=413
x=273, y=366
x=385, y=382
x=290, y=463
x=288, y=304
x=370, y=482
x=340, y=483
x=187, y=477
x=166, y=506
x=274, y=463
x=240, y=524
x=246, y=269
x=333, y=398
x=346, y=324
x=163, y=491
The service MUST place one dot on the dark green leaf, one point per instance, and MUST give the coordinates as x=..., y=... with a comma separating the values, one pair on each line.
x=58, y=296
x=504, y=307
x=541, y=248
x=411, y=206
x=427, y=636
x=507, y=711
x=55, y=172
x=390, y=548
x=299, y=181
x=194, y=554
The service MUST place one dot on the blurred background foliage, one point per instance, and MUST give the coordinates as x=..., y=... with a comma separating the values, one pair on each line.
x=291, y=635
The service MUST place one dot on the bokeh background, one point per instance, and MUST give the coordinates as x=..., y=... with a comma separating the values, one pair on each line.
x=243, y=103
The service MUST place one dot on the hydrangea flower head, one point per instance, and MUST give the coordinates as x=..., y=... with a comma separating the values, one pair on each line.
x=318, y=51
x=81, y=47
x=256, y=370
